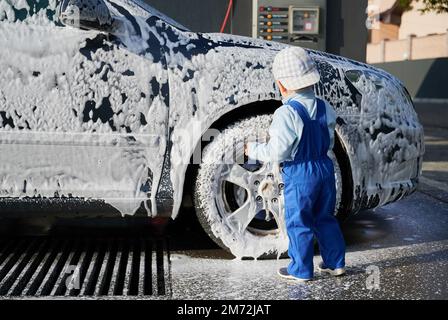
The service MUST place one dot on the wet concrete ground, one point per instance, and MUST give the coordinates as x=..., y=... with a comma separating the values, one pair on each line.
x=399, y=251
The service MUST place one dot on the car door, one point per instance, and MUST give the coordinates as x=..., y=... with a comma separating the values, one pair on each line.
x=82, y=114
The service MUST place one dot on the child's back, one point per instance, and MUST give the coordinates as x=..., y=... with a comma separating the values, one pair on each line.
x=301, y=133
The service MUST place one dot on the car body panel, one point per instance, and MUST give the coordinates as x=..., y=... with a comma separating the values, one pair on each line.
x=376, y=123
x=182, y=83
x=83, y=115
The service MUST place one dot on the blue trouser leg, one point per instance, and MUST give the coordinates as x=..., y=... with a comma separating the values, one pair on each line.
x=327, y=230
x=309, y=209
x=299, y=201
x=310, y=197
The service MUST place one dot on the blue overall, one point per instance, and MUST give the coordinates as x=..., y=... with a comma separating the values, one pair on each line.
x=310, y=198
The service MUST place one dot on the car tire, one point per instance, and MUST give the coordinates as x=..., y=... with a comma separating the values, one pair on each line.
x=227, y=194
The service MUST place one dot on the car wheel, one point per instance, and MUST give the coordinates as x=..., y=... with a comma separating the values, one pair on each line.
x=240, y=203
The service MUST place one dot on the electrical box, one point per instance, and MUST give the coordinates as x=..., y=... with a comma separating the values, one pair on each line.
x=296, y=22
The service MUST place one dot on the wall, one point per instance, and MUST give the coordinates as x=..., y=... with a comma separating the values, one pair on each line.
x=199, y=15
x=424, y=79
x=413, y=22
x=413, y=48
x=346, y=31
x=386, y=31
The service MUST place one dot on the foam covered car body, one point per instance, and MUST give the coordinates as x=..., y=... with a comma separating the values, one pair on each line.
x=96, y=107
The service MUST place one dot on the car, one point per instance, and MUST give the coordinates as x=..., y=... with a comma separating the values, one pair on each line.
x=112, y=108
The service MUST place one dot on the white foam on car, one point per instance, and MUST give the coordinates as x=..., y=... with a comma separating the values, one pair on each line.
x=59, y=154
x=241, y=243
x=110, y=167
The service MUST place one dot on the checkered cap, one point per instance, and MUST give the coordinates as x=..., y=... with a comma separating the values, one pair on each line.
x=295, y=69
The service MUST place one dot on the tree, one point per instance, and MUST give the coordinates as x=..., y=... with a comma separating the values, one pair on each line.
x=438, y=6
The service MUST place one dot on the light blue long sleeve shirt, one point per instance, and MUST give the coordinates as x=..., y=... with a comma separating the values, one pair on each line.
x=286, y=130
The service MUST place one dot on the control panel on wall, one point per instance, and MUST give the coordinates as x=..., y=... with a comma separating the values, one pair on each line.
x=299, y=22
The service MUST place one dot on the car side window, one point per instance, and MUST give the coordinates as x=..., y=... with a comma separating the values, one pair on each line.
x=15, y=10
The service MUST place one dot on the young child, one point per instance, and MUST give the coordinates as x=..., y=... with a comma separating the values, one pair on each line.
x=301, y=133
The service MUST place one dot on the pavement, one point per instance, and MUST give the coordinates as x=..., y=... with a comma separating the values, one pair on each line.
x=399, y=251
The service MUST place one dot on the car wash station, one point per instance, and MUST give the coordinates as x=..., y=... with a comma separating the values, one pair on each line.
x=115, y=115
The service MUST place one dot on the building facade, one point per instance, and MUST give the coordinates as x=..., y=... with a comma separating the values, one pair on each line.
x=399, y=35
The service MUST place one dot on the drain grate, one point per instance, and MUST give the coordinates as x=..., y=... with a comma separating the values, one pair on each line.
x=76, y=267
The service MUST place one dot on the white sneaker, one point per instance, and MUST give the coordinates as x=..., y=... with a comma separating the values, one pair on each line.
x=283, y=272
x=334, y=272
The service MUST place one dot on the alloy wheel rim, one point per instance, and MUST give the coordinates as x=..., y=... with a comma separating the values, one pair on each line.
x=254, y=193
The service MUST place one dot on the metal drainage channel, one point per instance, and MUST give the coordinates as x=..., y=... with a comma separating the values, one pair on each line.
x=84, y=267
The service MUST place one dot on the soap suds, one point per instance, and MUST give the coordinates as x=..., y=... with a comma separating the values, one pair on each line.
x=100, y=112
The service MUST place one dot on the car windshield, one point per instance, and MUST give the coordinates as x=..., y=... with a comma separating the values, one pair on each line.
x=159, y=14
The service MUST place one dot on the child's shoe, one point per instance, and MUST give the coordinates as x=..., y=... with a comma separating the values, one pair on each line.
x=283, y=272
x=334, y=272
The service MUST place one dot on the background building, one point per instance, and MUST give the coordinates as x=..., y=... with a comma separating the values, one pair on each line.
x=406, y=34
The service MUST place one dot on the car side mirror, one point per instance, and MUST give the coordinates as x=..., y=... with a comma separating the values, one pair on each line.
x=86, y=14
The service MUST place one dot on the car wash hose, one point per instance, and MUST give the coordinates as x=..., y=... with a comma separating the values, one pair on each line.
x=226, y=19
